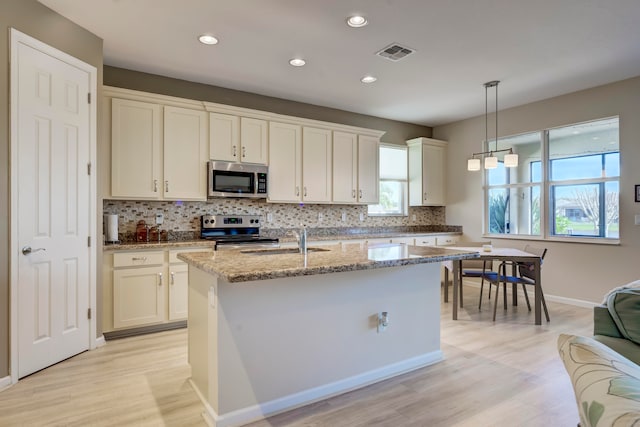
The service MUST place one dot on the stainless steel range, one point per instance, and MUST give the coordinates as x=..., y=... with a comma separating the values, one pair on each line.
x=233, y=231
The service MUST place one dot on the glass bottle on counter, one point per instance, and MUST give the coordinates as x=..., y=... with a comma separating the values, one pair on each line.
x=142, y=231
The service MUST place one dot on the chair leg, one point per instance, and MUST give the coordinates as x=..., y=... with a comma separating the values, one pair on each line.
x=544, y=305
x=504, y=293
x=495, y=301
x=526, y=296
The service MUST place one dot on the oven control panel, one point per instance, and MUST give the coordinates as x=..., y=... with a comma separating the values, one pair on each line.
x=229, y=221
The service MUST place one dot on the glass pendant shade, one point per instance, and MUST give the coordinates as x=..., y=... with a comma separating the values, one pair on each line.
x=511, y=160
x=490, y=162
x=473, y=164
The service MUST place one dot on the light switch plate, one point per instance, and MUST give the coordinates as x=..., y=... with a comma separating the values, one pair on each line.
x=637, y=218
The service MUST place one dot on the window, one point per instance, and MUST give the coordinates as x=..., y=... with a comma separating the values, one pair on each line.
x=566, y=184
x=393, y=182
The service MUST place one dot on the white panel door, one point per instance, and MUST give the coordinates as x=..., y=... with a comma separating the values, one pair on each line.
x=345, y=167
x=53, y=209
x=316, y=165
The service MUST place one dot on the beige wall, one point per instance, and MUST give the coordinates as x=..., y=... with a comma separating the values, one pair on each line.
x=32, y=18
x=396, y=132
x=571, y=270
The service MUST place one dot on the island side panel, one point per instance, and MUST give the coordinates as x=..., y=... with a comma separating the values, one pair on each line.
x=203, y=334
x=285, y=336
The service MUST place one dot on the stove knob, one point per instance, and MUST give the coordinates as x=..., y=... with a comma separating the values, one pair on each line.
x=257, y=220
x=206, y=221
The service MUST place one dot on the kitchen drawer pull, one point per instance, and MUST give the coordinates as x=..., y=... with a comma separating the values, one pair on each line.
x=173, y=278
x=155, y=185
x=160, y=277
x=166, y=186
x=139, y=258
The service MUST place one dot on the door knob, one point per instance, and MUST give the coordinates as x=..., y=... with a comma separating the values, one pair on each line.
x=27, y=250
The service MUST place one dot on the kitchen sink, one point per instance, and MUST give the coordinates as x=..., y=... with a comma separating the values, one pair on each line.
x=280, y=251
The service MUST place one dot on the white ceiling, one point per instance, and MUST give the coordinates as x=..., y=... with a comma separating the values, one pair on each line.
x=537, y=48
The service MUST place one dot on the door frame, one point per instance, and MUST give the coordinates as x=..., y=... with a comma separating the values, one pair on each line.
x=17, y=38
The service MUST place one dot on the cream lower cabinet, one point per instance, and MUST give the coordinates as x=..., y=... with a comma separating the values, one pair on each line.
x=142, y=288
x=138, y=289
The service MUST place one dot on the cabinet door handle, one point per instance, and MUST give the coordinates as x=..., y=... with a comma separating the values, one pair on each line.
x=425, y=196
x=166, y=186
x=139, y=258
x=173, y=278
x=234, y=150
x=297, y=190
x=305, y=191
x=353, y=193
x=244, y=151
x=155, y=185
x=160, y=277
x=361, y=194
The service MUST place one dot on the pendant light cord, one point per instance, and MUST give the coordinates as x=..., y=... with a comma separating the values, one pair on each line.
x=496, y=116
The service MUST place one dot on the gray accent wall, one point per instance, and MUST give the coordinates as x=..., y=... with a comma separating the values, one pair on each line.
x=573, y=271
x=396, y=132
x=40, y=22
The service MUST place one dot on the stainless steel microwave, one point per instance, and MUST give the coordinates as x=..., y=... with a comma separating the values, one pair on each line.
x=227, y=179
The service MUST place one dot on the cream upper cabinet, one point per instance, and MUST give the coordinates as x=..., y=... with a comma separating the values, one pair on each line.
x=368, y=169
x=237, y=139
x=427, y=159
x=285, y=162
x=224, y=137
x=345, y=167
x=253, y=140
x=185, y=154
x=136, y=149
x=316, y=164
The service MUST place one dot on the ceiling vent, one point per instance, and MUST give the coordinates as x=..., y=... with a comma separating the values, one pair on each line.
x=395, y=52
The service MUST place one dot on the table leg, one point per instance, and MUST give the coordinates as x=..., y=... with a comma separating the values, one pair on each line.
x=456, y=284
x=538, y=293
x=446, y=284
x=514, y=286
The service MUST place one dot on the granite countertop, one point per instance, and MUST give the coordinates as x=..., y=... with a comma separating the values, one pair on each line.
x=128, y=246
x=242, y=265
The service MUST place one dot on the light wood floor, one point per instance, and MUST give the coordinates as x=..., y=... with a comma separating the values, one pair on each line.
x=505, y=373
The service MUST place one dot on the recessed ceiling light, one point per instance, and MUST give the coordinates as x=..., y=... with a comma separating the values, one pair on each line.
x=297, y=62
x=357, y=21
x=208, y=39
x=368, y=79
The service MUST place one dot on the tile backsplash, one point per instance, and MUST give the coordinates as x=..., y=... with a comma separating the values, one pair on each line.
x=185, y=216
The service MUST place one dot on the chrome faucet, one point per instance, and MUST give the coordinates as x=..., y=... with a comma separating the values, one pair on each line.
x=301, y=238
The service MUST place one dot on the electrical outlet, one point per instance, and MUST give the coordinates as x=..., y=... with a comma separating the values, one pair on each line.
x=159, y=218
x=344, y=216
x=269, y=217
x=413, y=217
x=320, y=217
x=383, y=321
x=637, y=219
x=361, y=216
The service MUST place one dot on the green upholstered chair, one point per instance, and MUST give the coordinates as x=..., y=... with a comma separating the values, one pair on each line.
x=617, y=324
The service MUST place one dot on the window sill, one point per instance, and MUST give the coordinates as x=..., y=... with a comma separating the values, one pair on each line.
x=592, y=241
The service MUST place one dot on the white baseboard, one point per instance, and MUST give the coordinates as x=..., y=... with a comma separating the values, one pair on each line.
x=285, y=403
x=5, y=382
x=100, y=341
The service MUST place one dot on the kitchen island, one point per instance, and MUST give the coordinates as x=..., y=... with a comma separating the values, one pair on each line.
x=270, y=330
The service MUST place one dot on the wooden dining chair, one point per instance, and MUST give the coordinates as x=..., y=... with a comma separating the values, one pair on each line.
x=476, y=268
x=524, y=275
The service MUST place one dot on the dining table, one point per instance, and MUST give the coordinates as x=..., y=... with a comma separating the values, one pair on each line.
x=499, y=254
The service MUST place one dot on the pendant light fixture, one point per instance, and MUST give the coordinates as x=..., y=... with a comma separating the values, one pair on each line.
x=491, y=161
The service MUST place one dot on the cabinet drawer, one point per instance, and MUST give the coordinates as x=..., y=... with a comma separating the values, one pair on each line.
x=173, y=253
x=425, y=241
x=447, y=240
x=134, y=259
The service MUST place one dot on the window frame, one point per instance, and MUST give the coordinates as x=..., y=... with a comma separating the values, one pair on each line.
x=545, y=187
x=404, y=185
